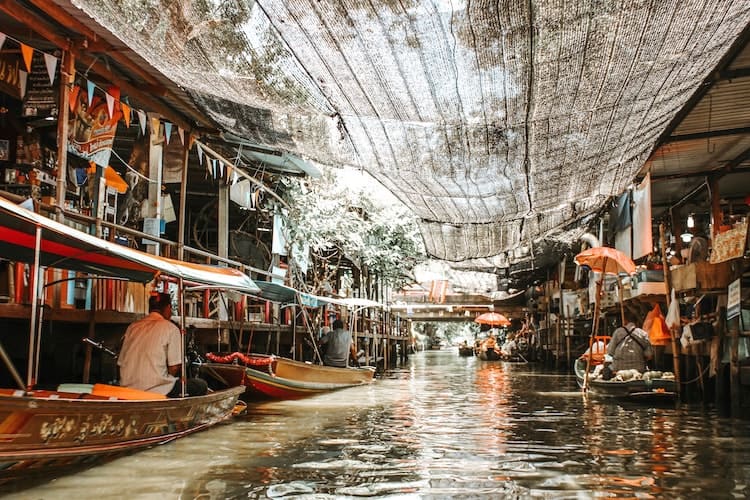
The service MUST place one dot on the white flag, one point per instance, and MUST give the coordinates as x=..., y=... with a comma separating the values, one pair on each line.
x=51, y=62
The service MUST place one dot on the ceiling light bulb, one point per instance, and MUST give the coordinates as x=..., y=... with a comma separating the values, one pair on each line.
x=690, y=221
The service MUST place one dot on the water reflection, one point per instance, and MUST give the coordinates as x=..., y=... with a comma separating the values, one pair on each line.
x=446, y=427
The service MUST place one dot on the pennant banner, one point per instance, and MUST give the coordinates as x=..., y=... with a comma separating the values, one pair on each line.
x=51, y=62
x=181, y=133
x=22, y=76
x=125, y=113
x=142, y=121
x=213, y=164
x=90, y=87
x=110, y=104
x=167, y=131
x=2, y=40
x=73, y=97
x=200, y=155
x=221, y=169
x=28, y=54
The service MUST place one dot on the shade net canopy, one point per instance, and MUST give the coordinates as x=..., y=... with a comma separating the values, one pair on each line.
x=495, y=122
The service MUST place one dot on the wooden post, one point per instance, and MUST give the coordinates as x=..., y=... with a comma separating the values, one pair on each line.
x=183, y=204
x=66, y=78
x=674, y=331
x=717, y=216
x=595, y=326
x=155, y=156
x=734, y=368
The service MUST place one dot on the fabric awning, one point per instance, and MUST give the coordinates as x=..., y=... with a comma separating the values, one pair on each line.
x=66, y=248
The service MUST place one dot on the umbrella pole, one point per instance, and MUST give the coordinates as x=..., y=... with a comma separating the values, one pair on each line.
x=595, y=326
x=622, y=305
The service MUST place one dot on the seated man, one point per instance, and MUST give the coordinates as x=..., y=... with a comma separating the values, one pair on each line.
x=150, y=358
x=629, y=347
x=339, y=346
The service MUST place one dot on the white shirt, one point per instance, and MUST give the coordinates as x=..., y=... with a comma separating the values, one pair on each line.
x=151, y=345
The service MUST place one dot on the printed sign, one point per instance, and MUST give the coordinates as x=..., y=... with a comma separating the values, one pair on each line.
x=92, y=132
x=734, y=299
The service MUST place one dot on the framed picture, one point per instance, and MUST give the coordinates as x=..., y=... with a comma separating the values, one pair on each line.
x=4, y=150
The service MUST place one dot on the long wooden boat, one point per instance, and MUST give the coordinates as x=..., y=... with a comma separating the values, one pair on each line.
x=45, y=430
x=648, y=390
x=282, y=378
x=488, y=354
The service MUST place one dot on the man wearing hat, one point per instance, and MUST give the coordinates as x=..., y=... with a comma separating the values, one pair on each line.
x=151, y=354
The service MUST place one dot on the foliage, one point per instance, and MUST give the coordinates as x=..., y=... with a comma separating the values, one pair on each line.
x=337, y=221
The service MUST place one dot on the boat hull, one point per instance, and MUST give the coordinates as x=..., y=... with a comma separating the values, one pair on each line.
x=288, y=379
x=653, y=390
x=466, y=351
x=51, y=430
x=489, y=355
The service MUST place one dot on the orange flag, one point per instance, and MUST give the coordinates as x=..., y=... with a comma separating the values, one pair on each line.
x=28, y=53
x=126, y=113
x=73, y=97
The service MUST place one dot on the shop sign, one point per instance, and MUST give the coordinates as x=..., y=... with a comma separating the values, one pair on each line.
x=91, y=131
x=734, y=299
x=41, y=96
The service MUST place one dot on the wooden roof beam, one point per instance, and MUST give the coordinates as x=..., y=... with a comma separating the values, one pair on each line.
x=97, y=44
x=48, y=31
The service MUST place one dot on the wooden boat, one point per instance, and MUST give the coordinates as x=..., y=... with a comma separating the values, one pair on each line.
x=465, y=350
x=42, y=430
x=488, y=354
x=648, y=390
x=282, y=378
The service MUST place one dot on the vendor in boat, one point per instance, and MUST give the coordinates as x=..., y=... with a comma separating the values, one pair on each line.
x=339, y=346
x=629, y=348
x=151, y=354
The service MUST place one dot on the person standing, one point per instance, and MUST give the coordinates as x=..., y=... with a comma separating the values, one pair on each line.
x=151, y=354
x=339, y=346
x=629, y=347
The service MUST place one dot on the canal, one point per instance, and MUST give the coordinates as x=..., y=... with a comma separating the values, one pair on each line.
x=441, y=427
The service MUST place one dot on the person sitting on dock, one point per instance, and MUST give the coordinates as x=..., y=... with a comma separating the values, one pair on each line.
x=339, y=346
x=629, y=348
x=151, y=354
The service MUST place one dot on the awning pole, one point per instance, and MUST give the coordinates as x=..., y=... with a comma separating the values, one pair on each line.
x=30, y=382
x=181, y=299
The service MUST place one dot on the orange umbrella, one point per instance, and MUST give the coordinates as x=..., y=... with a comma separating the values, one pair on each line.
x=493, y=319
x=606, y=259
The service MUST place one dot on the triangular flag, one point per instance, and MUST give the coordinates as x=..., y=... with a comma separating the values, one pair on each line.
x=110, y=104
x=73, y=97
x=22, y=75
x=213, y=165
x=221, y=169
x=229, y=174
x=90, y=86
x=2, y=40
x=154, y=125
x=181, y=133
x=125, y=113
x=167, y=131
x=28, y=54
x=51, y=62
x=200, y=155
x=234, y=177
x=142, y=120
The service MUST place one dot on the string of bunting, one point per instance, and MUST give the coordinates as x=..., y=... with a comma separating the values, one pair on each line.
x=111, y=95
x=215, y=166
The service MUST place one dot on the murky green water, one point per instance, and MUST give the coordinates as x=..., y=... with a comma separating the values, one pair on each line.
x=444, y=427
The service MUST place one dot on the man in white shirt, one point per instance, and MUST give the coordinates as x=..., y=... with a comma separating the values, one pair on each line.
x=151, y=354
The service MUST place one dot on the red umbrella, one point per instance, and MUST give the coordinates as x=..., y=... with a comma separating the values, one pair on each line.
x=493, y=319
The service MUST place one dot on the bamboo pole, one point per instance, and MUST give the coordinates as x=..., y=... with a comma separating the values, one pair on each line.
x=68, y=64
x=673, y=330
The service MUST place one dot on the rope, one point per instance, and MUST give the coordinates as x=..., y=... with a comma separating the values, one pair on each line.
x=700, y=375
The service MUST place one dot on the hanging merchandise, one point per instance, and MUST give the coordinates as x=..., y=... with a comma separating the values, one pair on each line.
x=656, y=326
x=91, y=131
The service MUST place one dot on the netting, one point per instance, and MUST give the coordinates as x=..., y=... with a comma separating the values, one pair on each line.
x=494, y=121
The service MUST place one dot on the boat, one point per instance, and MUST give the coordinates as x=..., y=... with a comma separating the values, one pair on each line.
x=488, y=354
x=465, y=350
x=652, y=387
x=45, y=430
x=282, y=378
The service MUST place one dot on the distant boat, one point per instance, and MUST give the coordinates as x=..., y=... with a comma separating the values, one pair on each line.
x=465, y=350
x=282, y=378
